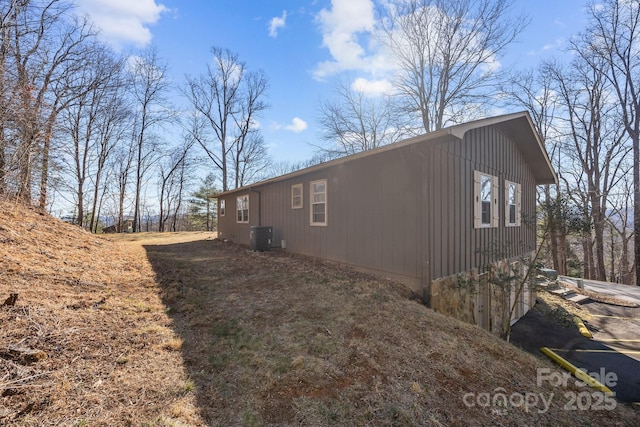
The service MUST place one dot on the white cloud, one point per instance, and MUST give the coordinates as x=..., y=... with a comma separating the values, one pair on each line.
x=549, y=47
x=491, y=65
x=341, y=27
x=123, y=21
x=297, y=125
x=372, y=87
x=556, y=44
x=139, y=64
x=276, y=23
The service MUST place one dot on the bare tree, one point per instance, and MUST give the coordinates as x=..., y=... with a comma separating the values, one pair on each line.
x=447, y=52
x=74, y=54
x=614, y=36
x=249, y=153
x=111, y=128
x=149, y=86
x=226, y=100
x=7, y=26
x=355, y=122
x=172, y=182
x=90, y=121
x=121, y=166
x=42, y=44
x=596, y=145
x=285, y=167
x=534, y=91
x=619, y=222
x=253, y=162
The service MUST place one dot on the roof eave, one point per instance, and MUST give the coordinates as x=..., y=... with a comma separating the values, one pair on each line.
x=517, y=125
x=520, y=128
x=431, y=136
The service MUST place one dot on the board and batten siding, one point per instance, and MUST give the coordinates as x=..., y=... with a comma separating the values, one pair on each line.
x=454, y=244
x=374, y=215
x=406, y=212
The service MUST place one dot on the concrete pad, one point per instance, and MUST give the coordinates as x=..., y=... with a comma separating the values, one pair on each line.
x=578, y=299
x=562, y=292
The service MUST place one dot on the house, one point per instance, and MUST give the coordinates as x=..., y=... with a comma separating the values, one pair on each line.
x=425, y=211
x=127, y=227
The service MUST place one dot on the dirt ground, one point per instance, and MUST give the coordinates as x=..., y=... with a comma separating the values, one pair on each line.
x=186, y=330
x=322, y=345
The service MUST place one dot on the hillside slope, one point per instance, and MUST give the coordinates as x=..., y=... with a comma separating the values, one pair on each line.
x=207, y=333
x=91, y=307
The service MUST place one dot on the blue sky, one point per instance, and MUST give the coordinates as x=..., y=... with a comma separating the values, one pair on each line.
x=304, y=47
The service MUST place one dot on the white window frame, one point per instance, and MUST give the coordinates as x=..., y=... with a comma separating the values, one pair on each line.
x=494, y=214
x=242, y=206
x=222, y=207
x=517, y=204
x=297, y=199
x=315, y=199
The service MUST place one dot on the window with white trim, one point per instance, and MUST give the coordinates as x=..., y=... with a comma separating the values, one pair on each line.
x=222, y=207
x=318, y=197
x=242, y=209
x=296, y=196
x=513, y=209
x=485, y=194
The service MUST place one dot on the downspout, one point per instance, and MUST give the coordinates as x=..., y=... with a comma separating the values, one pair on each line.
x=259, y=206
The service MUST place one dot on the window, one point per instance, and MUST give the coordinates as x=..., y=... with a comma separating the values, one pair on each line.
x=512, y=196
x=222, y=207
x=296, y=196
x=242, y=208
x=485, y=200
x=318, y=202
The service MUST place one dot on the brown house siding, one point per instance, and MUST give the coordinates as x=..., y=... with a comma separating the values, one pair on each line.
x=454, y=244
x=374, y=215
x=405, y=211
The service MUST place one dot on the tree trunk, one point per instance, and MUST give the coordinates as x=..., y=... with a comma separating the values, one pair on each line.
x=161, y=216
x=2, y=160
x=612, y=268
x=123, y=189
x=44, y=173
x=136, y=208
x=208, y=203
x=80, y=205
x=587, y=257
x=557, y=233
x=599, y=265
x=93, y=222
x=44, y=176
x=24, y=174
x=627, y=275
x=562, y=254
x=636, y=202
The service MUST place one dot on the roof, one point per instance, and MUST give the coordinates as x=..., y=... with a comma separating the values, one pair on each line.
x=517, y=126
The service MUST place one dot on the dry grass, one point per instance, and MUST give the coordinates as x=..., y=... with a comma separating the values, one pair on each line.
x=563, y=311
x=207, y=333
x=560, y=309
x=93, y=308
x=160, y=238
